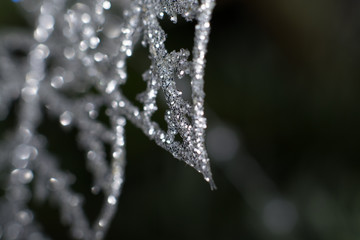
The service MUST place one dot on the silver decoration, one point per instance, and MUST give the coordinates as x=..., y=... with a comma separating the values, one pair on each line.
x=88, y=47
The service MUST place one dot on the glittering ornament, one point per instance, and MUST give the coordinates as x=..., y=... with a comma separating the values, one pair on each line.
x=77, y=47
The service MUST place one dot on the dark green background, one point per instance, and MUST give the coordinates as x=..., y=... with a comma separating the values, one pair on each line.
x=284, y=76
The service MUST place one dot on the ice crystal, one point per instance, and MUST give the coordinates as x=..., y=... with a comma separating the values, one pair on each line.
x=77, y=47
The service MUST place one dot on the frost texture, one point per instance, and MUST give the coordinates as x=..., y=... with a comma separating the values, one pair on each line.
x=79, y=49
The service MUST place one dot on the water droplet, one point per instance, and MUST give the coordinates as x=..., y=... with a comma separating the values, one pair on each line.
x=151, y=93
x=91, y=155
x=55, y=183
x=121, y=122
x=85, y=18
x=102, y=223
x=46, y=21
x=69, y=53
x=57, y=82
x=120, y=64
x=66, y=118
x=127, y=42
x=88, y=31
x=42, y=51
x=94, y=42
x=106, y=5
x=117, y=154
x=173, y=19
x=41, y=34
x=111, y=200
x=98, y=57
x=151, y=131
x=111, y=87
x=83, y=46
x=128, y=52
x=26, y=176
x=93, y=114
x=25, y=152
x=121, y=104
x=23, y=176
x=28, y=93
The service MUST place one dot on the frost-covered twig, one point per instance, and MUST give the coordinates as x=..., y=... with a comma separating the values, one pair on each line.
x=75, y=65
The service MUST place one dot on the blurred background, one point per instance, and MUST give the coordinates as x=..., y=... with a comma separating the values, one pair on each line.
x=283, y=93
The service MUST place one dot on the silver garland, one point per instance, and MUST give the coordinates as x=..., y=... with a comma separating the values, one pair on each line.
x=89, y=46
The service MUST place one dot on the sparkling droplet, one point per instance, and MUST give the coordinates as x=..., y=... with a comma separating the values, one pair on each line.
x=66, y=118
x=121, y=104
x=46, y=21
x=111, y=87
x=55, y=183
x=85, y=18
x=102, y=223
x=120, y=64
x=23, y=176
x=151, y=131
x=25, y=152
x=57, y=82
x=111, y=200
x=127, y=43
x=91, y=155
x=41, y=35
x=83, y=46
x=88, y=31
x=69, y=53
x=106, y=5
x=174, y=19
x=117, y=154
x=94, y=42
x=93, y=114
x=28, y=93
x=98, y=57
x=128, y=52
x=42, y=51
